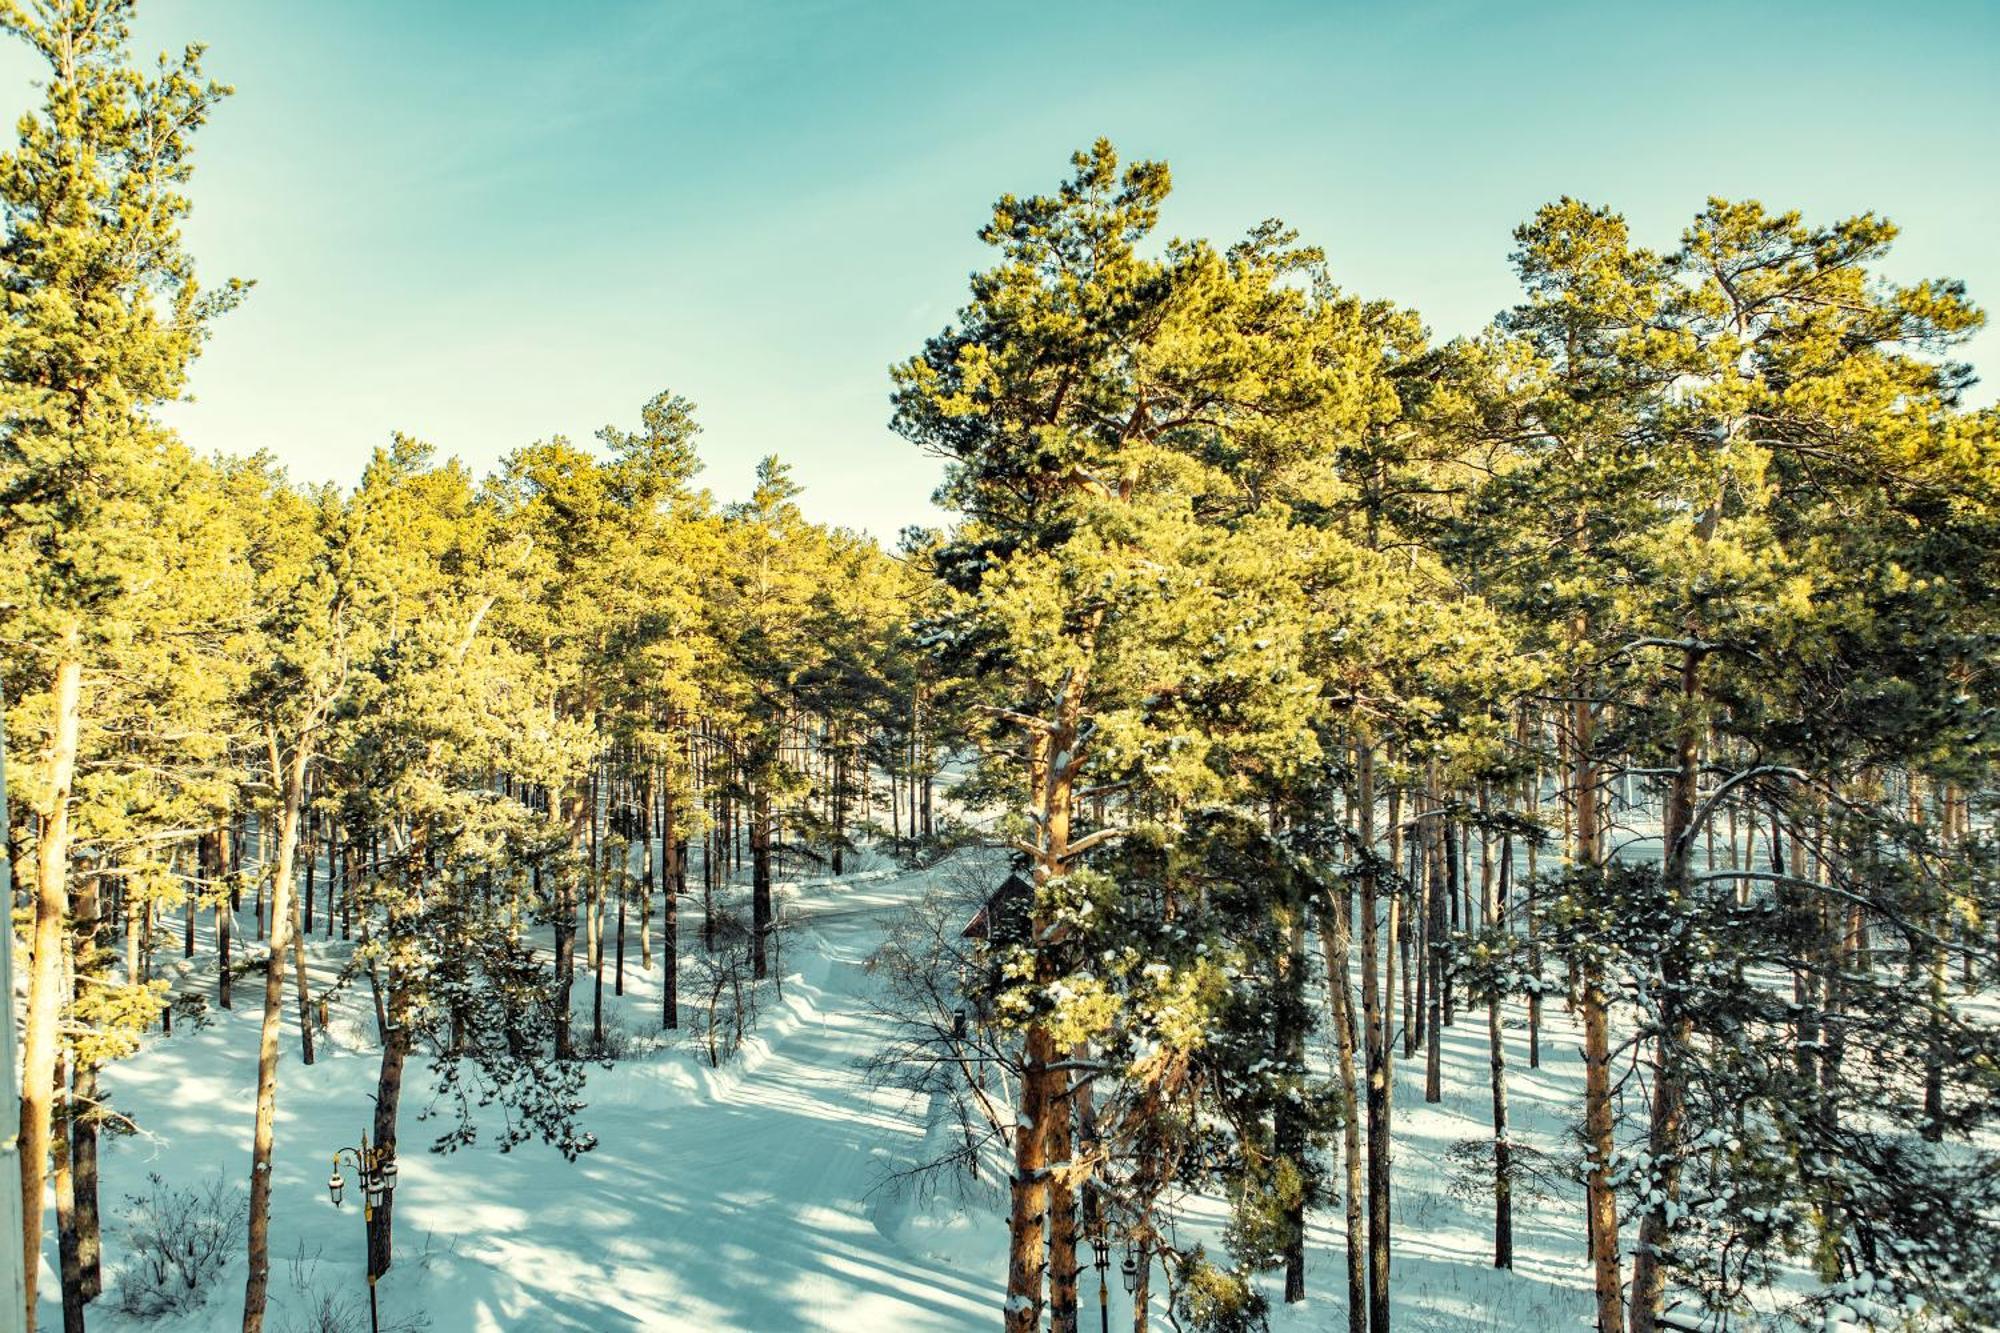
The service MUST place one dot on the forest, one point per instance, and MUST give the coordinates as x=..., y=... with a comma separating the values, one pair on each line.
x=1305, y=725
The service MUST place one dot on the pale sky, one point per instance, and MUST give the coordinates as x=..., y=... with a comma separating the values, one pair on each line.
x=489, y=223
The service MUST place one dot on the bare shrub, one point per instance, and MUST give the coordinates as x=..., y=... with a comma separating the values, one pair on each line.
x=726, y=993
x=179, y=1240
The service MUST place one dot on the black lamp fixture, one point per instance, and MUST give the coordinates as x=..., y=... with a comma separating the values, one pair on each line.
x=1128, y=1268
x=375, y=1173
x=1100, y=1242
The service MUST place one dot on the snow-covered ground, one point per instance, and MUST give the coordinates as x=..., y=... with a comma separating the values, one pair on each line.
x=754, y=1197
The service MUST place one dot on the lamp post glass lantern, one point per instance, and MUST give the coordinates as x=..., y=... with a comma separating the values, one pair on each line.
x=1128, y=1269
x=375, y=1173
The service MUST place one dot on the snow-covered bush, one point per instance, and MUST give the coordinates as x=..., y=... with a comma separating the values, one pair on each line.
x=177, y=1239
x=191, y=1009
x=726, y=993
x=621, y=1041
x=1213, y=1299
x=1535, y=1176
x=322, y=1311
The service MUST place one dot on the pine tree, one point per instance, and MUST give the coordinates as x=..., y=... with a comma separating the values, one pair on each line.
x=1111, y=448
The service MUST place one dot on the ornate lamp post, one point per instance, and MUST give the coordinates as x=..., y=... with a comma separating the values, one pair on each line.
x=1101, y=1243
x=375, y=1173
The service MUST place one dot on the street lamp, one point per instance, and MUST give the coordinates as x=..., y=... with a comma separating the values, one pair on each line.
x=1101, y=1243
x=375, y=1173
x=1128, y=1268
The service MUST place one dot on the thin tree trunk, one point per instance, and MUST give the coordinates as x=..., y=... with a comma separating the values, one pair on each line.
x=309, y=845
x=839, y=809
x=1533, y=926
x=673, y=882
x=1379, y=1015
x=1438, y=946
x=1288, y=1131
x=1492, y=909
x=593, y=915
x=647, y=829
x=760, y=879
x=1601, y=1197
x=69, y=1266
x=300, y=981
x=89, y=1223
x=290, y=772
x=1649, y=1277
x=38, y=1044
x=388, y=1098
x=1142, y=1293
x=1335, y=942
x=1063, y=1297
x=618, y=972
x=88, y=966
x=575, y=818
x=225, y=919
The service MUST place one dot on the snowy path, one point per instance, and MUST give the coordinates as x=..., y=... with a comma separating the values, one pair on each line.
x=752, y=1207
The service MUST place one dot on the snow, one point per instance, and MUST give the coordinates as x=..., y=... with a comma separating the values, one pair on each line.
x=757, y=1197
x=743, y=1198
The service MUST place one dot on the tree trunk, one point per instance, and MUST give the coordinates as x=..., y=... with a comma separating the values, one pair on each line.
x=1601, y=1198
x=839, y=810
x=1052, y=772
x=68, y=1265
x=618, y=967
x=673, y=881
x=38, y=1043
x=334, y=863
x=647, y=867
x=1028, y=1190
x=1649, y=1277
x=300, y=981
x=89, y=1223
x=1142, y=1293
x=1492, y=911
x=1288, y=1131
x=1063, y=1297
x=388, y=1097
x=1378, y=1016
x=1335, y=938
x=1437, y=948
x=575, y=816
x=289, y=771
x=225, y=918
x=1534, y=804
x=760, y=879
x=594, y=914
x=89, y=966
x=308, y=844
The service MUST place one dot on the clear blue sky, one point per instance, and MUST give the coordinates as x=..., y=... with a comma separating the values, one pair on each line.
x=488, y=223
